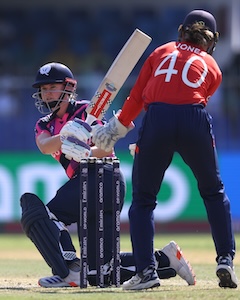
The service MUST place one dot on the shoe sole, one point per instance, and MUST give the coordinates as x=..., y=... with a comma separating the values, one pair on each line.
x=143, y=286
x=177, y=255
x=225, y=279
x=56, y=284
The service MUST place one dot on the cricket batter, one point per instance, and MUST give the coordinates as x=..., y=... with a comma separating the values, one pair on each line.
x=63, y=134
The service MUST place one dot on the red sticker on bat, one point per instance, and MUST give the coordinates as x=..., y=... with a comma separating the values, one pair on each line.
x=103, y=99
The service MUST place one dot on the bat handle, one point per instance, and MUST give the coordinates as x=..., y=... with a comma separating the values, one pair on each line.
x=90, y=119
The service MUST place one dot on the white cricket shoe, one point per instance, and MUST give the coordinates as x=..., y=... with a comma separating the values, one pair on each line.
x=147, y=279
x=179, y=263
x=225, y=272
x=72, y=280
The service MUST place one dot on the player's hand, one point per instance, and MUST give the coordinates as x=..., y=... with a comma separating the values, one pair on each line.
x=75, y=149
x=105, y=137
x=78, y=129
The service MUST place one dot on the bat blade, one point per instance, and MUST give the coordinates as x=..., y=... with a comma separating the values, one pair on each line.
x=117, y=75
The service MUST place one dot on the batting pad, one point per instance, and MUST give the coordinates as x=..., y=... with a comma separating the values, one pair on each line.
x=43, y=233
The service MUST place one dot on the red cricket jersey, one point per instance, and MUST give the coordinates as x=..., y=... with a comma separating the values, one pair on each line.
x=174, y=73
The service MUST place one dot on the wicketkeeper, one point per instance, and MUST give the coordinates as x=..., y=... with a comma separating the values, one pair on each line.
x=173, y=87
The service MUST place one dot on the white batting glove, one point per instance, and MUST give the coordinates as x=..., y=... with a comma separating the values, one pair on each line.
x=75, y=149
x=78, y=129
x=105, y=137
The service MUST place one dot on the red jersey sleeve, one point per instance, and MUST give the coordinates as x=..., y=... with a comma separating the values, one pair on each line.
x=134, y=104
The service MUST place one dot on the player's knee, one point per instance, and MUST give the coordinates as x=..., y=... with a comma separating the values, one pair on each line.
x=33, y=209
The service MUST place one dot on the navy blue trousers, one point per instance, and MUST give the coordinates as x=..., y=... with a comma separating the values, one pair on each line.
x=185, y=129
x=66, y=206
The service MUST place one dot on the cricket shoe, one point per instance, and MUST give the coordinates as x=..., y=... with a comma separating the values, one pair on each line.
x=179, y=263
x=146, y=279
x=225, y=272
x=55, y=281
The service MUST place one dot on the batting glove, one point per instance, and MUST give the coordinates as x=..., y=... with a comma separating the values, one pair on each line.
x=75, y=149
x=78, y=129
x=105, y=137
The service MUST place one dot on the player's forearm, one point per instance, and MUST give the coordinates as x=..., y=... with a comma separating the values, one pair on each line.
x=134, y=104
x=130, y=110
x=49, y=144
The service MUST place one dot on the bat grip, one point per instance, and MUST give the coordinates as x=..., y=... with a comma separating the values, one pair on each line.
x=90, y=119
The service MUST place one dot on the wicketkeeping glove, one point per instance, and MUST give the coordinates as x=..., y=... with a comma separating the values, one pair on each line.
x=75, y=149
x=132, y=148
x=105, y=137
x=78, y=129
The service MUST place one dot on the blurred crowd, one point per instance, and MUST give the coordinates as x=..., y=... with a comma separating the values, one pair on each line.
x=88, y=42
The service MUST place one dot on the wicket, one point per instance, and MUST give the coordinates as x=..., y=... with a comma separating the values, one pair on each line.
x=99, y=167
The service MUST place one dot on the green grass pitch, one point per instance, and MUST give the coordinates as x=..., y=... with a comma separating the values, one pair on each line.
x=21, y=266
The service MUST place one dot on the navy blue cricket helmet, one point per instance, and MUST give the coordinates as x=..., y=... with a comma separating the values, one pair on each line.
x=205, y=18
x=54, y=73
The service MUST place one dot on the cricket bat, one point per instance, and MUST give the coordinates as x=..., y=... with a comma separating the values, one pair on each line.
x=117, y=75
